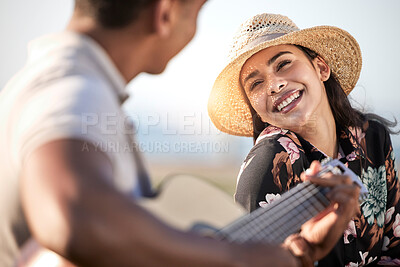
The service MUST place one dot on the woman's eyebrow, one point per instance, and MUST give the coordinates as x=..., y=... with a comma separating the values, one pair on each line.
x=270, y=61
x=274, y=58
x=251, y=75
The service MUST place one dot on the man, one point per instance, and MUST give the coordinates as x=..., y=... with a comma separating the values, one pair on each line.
x=65, y=181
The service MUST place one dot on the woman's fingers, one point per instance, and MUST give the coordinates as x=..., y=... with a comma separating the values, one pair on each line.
x=323, y=230
x=312, y=171
x=344, y=192
x=346, y=196
x=330, y=180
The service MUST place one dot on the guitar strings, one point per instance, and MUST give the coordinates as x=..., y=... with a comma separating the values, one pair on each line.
x=275, y=223
x=253, y=216
x=294, y=213
x=290, y=222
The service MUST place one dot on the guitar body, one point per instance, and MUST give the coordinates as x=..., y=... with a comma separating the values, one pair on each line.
x=184, y=201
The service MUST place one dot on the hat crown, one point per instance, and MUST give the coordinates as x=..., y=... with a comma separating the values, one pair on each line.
x=258, y=26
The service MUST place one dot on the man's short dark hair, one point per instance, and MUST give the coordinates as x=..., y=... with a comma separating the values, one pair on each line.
x=113, y=13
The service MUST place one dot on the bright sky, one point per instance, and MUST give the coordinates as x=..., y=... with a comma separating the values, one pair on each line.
x=185, y=85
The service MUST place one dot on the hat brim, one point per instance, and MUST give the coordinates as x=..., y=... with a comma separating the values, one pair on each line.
x=227, y=107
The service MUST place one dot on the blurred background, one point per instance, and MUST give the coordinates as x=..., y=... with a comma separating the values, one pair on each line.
x=170, y=110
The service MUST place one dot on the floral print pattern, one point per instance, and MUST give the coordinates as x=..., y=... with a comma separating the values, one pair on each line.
x=278, y=158
x=350, y=231
x=374, y=206
x=364, y=259
x=290, y=148
x=388, y=261
x=352, y=264
x=396, y=226
x=386, y=242
x=358, y=134
x=388, y=215
x=269, y=198
x=270, y=131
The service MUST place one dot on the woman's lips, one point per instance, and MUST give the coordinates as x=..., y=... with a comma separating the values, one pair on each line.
x=288, y=101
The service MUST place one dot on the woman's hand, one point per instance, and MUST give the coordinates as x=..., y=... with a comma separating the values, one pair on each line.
x=320, y=234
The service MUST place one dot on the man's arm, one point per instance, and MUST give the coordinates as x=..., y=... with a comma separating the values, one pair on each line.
x=73, y=209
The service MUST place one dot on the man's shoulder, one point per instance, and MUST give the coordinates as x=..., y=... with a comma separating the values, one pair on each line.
x=56, y=84
x=64, y=66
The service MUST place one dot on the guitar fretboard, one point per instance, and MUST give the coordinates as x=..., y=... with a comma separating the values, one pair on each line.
x=281, y=218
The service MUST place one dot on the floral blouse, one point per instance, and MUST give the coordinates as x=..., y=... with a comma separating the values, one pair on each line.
x=276, y=161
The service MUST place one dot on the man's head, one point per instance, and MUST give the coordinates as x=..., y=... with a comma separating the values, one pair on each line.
x=175, y=23
x=139, y=35
x=112, y=13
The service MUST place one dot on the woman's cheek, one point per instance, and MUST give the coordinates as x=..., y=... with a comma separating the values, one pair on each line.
x=258, y=100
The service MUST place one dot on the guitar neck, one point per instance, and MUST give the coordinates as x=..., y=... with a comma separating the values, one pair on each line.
x=279, y=219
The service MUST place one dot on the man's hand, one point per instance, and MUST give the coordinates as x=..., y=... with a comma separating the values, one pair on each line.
x=32, y=254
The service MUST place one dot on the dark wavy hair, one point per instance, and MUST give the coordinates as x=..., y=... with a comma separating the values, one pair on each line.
x=344, y=114
x=113, y=13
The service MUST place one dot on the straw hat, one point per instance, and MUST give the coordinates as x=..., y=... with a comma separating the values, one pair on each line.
x=227, y=106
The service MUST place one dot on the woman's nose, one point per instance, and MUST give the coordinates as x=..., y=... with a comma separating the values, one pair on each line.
x=275, y=85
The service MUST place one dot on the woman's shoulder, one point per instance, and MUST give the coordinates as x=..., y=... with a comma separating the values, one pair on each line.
x=375, y=128
x=272, y=134
x=371, y=129
x=375, y=124
x=274, y=140
x=375, y=141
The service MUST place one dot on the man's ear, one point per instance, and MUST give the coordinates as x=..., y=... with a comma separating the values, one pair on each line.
x=164, y=15
x=323, y=68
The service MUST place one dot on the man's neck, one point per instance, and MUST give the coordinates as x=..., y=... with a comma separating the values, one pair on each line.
x=127, y=48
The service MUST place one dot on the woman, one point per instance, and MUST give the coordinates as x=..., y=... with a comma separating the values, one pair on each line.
x=288, y=89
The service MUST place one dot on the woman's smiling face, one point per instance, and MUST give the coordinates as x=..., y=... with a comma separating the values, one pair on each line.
x=285, y=88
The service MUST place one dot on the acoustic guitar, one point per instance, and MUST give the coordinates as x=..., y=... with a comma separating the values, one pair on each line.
x=194, y=204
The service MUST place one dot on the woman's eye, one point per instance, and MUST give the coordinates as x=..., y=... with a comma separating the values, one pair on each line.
x=282, y=64
x=254, y=85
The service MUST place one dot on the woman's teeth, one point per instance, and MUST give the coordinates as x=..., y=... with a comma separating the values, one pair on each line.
x=288, y=100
